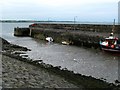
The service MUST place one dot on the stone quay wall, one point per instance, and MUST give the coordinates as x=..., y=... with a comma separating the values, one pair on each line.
x=21, y=31
x=76, y=34
x=79, y=39
x=80, y=27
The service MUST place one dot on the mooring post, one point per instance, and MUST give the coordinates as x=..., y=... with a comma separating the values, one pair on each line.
x=30, y=32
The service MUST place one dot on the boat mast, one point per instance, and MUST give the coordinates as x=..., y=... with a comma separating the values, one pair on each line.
x=113, y=26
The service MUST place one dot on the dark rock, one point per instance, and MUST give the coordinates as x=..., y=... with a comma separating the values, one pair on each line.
x=116, y=81
x=4, y=41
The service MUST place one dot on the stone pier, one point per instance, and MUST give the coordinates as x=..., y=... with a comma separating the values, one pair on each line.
x=87, y=35
x=21, y=31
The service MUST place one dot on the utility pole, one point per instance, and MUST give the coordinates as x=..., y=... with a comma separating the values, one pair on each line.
x=113, y=29
x=74, y=21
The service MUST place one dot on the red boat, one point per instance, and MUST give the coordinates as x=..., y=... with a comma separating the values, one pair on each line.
x=111, y=43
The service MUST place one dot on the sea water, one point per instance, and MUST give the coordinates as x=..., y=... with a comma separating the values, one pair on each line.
x=86, y=61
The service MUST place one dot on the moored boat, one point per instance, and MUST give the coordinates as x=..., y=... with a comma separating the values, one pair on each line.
x=111, y=43
x=65, y=43
x=49, y=39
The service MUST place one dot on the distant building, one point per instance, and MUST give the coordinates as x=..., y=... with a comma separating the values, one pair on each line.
x=119, y=12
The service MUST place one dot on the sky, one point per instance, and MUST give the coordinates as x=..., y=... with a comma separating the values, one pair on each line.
x=59, y=10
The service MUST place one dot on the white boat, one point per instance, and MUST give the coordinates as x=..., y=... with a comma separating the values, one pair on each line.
x=65, y=43
x=49, y=39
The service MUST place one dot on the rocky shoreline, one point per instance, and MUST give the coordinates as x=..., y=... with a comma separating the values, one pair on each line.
x=18, y=72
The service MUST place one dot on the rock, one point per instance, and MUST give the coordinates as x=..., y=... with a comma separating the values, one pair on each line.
x=4, y=41
x=116, y=81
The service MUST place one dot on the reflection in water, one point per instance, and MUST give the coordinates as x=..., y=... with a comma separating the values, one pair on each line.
x=86, y=61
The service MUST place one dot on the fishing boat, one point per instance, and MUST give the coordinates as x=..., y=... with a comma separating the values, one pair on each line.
x=111, y=43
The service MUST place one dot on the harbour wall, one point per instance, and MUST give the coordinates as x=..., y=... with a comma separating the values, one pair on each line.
x=74, y=34
x=21, y=31
x=79, y=27
x=79, y=39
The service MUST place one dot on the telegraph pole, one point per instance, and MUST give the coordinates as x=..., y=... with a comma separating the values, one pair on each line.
x=74, y=21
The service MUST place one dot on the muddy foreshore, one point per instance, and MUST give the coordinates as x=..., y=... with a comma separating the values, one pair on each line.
x=21, y=72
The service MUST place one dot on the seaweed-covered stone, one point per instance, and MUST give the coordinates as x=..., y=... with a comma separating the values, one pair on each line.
x=3, y=41
x=6, y=46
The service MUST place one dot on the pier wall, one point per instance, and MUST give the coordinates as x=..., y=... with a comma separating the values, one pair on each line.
x=79, y=39
x=21, y=31
x=75, y=34
x=80, y=27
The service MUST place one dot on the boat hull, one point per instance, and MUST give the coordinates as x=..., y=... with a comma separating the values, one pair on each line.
x=106, y=48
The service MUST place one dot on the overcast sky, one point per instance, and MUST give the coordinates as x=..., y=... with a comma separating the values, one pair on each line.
x=63, y=10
